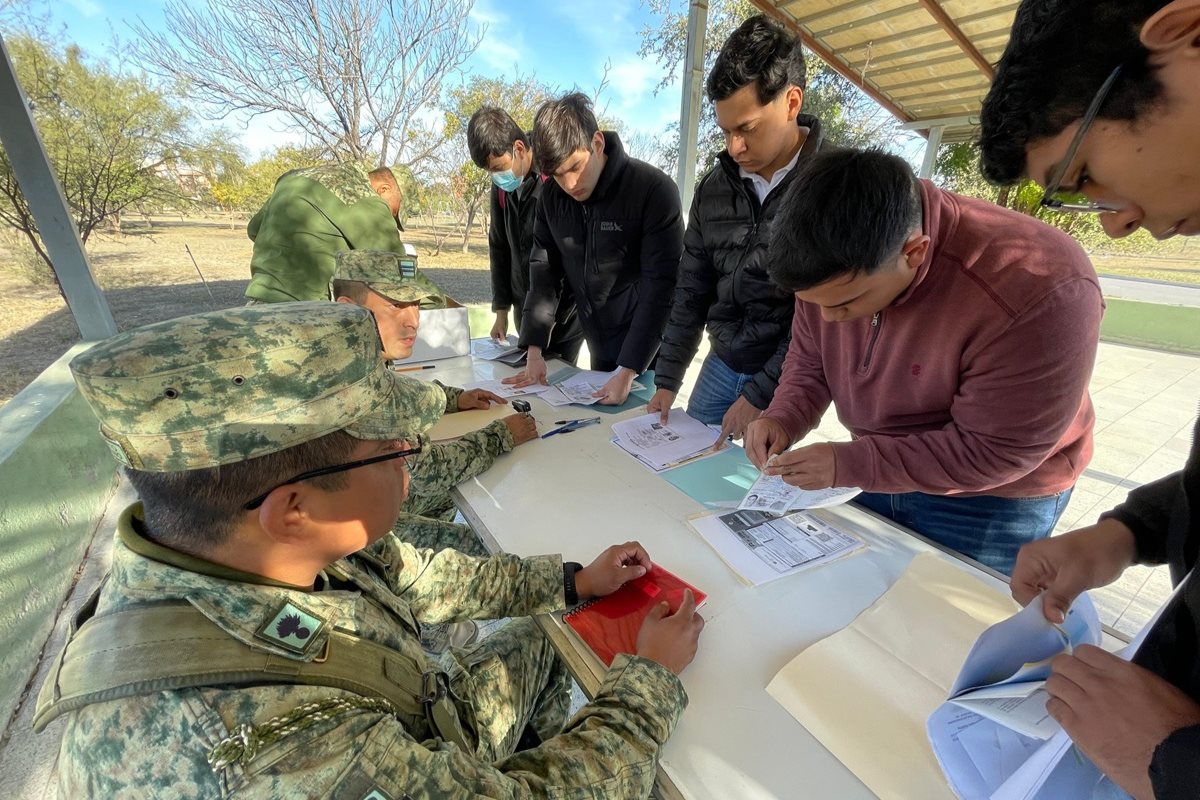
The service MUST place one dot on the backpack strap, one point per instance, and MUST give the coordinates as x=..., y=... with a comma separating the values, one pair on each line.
x=503, y=196
x=170, y=646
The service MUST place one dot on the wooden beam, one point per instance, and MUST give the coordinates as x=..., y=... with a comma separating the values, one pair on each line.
x=951, y=27
x=835, y=63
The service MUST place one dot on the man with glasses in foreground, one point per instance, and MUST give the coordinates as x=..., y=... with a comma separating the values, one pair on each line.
x=955, y=339
x=257, y=635
x=1097, y=102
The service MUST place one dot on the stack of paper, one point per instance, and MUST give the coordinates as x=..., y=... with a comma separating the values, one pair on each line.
x=492, y=350
x=761, y=547
x=660, y=446
x=580, y=389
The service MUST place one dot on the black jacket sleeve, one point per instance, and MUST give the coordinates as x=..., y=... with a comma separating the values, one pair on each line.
x=759, y=390
x=662, y=244
x=546, y=278
x=1147, y=512
x=1175, y=765
x=695, y=290
x=500, y=257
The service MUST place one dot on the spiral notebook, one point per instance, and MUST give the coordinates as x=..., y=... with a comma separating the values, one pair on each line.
x=609, y=625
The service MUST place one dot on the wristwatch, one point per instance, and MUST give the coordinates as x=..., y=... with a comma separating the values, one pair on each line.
x=569, y=570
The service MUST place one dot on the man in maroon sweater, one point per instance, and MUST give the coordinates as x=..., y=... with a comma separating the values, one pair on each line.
x=1096, y=100
x=955, y=339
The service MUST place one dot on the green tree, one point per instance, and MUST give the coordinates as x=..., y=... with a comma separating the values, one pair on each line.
x=246, y=187
x=114, y=141
x=520, y=96
x=848, y=116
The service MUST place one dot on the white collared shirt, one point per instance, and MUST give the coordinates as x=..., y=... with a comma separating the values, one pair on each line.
x=763, y=187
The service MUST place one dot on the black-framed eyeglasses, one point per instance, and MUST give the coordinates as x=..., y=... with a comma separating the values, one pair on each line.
x=317, y=473
x=1075, y=202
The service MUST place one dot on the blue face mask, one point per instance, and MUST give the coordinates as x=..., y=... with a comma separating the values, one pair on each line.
x=506, y=181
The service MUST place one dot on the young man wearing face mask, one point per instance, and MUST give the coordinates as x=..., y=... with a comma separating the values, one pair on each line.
x=1096, y=101
x=609, y=230
x=757, y=88
x=499, y=146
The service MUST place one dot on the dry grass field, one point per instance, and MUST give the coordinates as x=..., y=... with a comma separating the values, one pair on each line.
x=147, y=276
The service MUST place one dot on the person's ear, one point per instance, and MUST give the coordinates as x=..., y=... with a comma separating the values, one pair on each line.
x=915, y=249
x=1174, y=26
x=598, y=142
x=344, y=299
x=283, y=516
x=795, y=101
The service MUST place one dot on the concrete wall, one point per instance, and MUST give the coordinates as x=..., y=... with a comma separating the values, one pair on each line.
x=56, y=476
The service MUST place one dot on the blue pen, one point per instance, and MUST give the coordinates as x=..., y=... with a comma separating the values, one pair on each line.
x=573, y=425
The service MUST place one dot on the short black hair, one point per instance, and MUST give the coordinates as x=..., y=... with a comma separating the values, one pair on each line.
x=196, y=510
x=354, y=291
x=560, y=128
x=1058, y=55
x=760, y=51
x=848, y=211
x=491, y=133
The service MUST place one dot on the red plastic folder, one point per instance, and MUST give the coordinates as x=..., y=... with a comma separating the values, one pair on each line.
x=610, y=624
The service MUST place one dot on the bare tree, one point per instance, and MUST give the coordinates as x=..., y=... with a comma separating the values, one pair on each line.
x=354, y=75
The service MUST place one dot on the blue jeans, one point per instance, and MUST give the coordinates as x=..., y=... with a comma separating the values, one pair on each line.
x=988, y=529
x=717, y=387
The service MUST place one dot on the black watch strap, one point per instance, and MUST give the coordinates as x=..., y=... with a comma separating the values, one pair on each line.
x=569, y=590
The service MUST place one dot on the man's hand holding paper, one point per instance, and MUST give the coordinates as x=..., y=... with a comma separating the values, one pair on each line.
x=765, y=438
x=810, y=467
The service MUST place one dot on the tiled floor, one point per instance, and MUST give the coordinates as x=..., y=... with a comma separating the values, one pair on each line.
x=1146, y=403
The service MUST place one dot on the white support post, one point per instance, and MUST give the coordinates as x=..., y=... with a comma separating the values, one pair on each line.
x=20, y=139
x=931, y=150
x=689, y=113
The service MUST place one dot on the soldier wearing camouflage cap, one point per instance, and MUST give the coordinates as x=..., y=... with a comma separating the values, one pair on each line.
x=257, y=635
x=389, y=286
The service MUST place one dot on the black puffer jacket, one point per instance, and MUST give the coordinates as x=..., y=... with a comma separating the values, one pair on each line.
x=723, y=283
x=617, y=252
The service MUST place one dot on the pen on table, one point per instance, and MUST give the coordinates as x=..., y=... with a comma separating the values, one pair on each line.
x=573, y=425
x=415, y=369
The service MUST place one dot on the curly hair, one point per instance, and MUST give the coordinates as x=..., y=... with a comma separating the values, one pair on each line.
x=760, y=51
x=1058, y=55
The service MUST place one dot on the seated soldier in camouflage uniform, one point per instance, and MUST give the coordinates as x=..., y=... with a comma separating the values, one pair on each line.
x=258, y=573
x=376, y=281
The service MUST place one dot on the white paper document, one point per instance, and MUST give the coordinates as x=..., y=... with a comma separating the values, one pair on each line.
x=506, y=390
x=660, y=446
x=761, y=547
x=492, y=350
x=769, y=493
x=581, y=387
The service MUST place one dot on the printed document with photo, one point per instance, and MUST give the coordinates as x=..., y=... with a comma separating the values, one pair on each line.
x=769, y=493
x=660, y=446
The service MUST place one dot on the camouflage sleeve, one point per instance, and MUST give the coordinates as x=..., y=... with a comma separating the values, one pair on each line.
x=447, y=464
x=448, y=586
x=452, y=394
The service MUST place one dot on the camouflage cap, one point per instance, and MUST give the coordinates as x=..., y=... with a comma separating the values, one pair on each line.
x=391, y=274
x=228, y=386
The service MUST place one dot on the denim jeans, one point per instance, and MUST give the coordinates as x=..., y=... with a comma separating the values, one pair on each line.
x=715, y=390
x=988, y=529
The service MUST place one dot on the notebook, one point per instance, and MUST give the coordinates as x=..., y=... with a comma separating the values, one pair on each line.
x=610, y=625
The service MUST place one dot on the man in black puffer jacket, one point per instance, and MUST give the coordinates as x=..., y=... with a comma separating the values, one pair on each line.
x=757, y=86
x=609, y=229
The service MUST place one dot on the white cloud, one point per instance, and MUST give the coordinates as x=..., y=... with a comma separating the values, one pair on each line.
x=503, y=43
x=88, y=8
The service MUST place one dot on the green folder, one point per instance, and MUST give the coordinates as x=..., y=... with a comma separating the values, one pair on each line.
x=715, y=481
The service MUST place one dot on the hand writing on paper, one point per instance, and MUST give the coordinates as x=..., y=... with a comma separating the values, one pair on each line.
x=736, y=420
x=616, y=391
x=500, y=326
x=661, y=402
x=1117, y=713
x=1067, y=565
x=535, y=370
x=477, y=398
x=765, y=438
x=671, y=639
x=522, y=426
x=612, y=569
x=812, y=467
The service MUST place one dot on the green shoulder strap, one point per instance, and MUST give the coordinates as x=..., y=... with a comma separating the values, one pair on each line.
x=170, y=646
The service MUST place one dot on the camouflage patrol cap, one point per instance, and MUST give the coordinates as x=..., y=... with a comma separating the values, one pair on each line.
x=393, y=275
x=227, y=386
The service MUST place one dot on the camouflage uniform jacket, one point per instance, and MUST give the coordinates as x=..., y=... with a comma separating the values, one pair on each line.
x=157, y=745
x=311, y=215
x=447, y=464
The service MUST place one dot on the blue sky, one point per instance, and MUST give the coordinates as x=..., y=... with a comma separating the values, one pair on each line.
x=564, y=43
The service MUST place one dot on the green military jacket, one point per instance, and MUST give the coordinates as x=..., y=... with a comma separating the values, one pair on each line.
x=311, y=215
x=157, y=745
